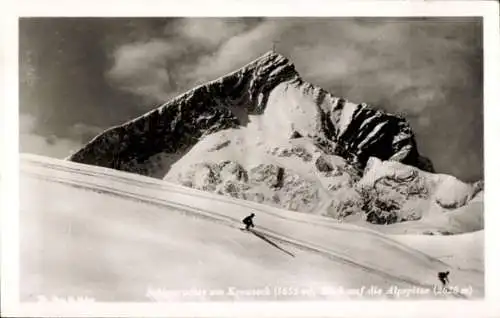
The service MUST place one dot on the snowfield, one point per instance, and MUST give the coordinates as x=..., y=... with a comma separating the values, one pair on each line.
x=116, y=236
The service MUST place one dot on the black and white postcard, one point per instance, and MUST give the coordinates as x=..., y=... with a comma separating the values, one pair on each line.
x=331, y=158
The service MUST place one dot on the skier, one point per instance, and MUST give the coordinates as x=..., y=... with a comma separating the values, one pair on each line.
x=443, y=277
x=248, y=221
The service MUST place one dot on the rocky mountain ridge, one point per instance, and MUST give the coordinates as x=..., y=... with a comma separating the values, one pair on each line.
x=358, y=131
x=264, y=134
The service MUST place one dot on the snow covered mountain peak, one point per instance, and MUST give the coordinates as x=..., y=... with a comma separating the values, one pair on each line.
x=264, y=134
x=268, y=86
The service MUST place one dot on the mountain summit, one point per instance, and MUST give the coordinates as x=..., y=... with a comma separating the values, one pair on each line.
x=267, y=84
x=264, y=134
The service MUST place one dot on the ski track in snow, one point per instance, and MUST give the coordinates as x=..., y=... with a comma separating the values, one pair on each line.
x=97, y=179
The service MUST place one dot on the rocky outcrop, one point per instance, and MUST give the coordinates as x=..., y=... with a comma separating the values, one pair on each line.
x=355, y=132
x=264, y=183
x=394, y=192
x=373, y=133
x=298, y=152
x=323, y=165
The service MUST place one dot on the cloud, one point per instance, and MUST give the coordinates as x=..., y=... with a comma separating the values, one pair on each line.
x=156, y=69
x=428, y=69
x=143, y=68
x=84, y=132
x=402, y=66
x=52, y=146
x=237, y=51
x=27, y=123
x=209, y=32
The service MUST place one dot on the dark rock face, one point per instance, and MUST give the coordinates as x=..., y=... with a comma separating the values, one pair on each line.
x=296, y=151
x=269, y=174
x=323, y=165
x=373, y=133
x=180, y=123
x=383, y=202
x=295, y=134
x=226, y=103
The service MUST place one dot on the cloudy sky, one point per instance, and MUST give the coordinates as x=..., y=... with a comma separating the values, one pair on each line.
x=79, y=76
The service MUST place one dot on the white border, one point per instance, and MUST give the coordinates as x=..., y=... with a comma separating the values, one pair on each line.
x=193, y=8
x=9, y=182
x=155, y=8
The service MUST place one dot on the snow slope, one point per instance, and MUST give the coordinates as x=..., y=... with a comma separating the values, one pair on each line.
x=115, y=236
